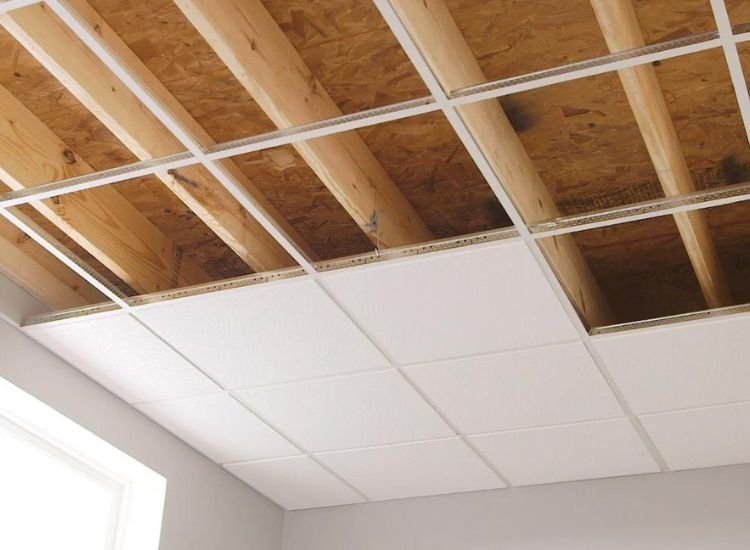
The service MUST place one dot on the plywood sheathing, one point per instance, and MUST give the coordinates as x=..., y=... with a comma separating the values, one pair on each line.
x=345, y=43
x=739, y=14
x=180, y=58
x=350, y=49
x=293, y=188
x=175, y=52
x=42, y=94
x=642, y=268
x=511, y=37
x=429, y=163
x=587, y=147
x=421, y=154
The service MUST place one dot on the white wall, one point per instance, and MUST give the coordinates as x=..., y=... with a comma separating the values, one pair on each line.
x=206, y=508
x=692, y=510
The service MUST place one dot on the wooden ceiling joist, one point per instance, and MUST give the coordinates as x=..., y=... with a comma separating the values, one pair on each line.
x=100, y=220
x=453, y=63
x=621, y=29
x=68, y=59
x=249, y=41
x=31, y=268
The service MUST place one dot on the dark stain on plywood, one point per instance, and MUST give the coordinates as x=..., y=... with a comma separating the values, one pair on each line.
x=428, y=162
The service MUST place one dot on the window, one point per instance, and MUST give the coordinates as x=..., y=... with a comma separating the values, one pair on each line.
x=63, y=487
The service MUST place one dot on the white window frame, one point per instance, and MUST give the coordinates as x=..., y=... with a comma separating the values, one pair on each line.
x=136, y=517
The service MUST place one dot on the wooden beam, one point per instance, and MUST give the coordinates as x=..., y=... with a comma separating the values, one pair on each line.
x=621, y=30
x=251, y=44
x=432, y=27
x=40, y=274
x=67, y=58
x=100, y=220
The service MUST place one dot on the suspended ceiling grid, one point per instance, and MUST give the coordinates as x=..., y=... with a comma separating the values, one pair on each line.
x=584, y=268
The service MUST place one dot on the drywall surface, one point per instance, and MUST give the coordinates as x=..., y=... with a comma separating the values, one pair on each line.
x=690, y=510
x=206, y=508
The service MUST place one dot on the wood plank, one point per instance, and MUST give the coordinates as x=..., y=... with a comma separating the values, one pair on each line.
x=40, y=274
x=621, y=30
x=55, y=46
x=453, y=63
x=100, y=220
x=248, y=40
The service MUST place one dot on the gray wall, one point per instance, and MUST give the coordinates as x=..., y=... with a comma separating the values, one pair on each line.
x=206, y=508
x=692, y=510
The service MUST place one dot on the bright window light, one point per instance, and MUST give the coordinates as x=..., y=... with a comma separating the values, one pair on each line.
x=63, y=487
x=47, y=503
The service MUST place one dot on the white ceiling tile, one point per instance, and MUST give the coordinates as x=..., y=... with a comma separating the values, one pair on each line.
x=681, y=366
x=352, y=411
x=295, y=483
x=265, y=334
x=543, y=386
x=565, y=453
x=124, y=357
x=413, y=469
x=467, y=302
x=219, y=427
x=699, y=438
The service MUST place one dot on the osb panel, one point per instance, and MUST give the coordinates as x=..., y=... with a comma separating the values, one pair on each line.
x=345, y=43
x=428, y=162
x=704, y=110
x=587, y=147
x=83, y=133
x=44, y=96
x=730, y=226
x=302, y=199
x=663, y=20
x=349, y=47
x=513, y=37
x=739, y=14
x=177, y=54
x=642, y=268
x=585, y=143
x=190, y=234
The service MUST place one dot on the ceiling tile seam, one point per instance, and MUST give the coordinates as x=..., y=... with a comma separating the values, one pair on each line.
x=371, y=370
x=729, y=46
x=95, y=43
x=394, y=364
x=422, y=67
x=352, y=449
x=712, y=406
x=542, y=427
x=301, y=449
x=282, y=384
